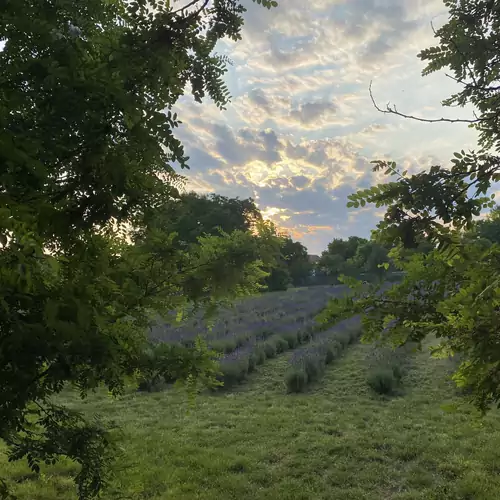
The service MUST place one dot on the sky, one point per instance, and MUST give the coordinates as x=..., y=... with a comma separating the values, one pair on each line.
x=300, y=130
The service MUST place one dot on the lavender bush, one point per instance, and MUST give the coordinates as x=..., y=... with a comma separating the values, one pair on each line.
x=308, y=363
x=387, y=366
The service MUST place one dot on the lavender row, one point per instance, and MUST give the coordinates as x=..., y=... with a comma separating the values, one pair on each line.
x=308, y=364
x=236, y=365
x=259, y=318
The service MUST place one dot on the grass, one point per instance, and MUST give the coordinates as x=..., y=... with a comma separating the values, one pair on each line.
x=339, y=440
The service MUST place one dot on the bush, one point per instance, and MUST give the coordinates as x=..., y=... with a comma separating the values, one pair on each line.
x=397, y=371
x=234, y=373
x=304, y=336
x=336, y=346
x=382, y=381
x=252, y=362
x=259, y=354
x=354, y=334
x=313, y=368
x=265, y=334
x=241, y=340
x=269, y=349
x=344, y=339
x=396, y=362
x=331, y=354
x=281, y=344
x=230, y=346
x=225, y=346
x=292, y=340
x=296, y=380
x=151, y=384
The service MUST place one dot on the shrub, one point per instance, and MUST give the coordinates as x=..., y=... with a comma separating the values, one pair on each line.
x=292, y=340
x=395, y=362
x=296, y=380
x=151, y=384
x=336, y=346
x=230, y=346
x=382, y=381
x=265, y=334
x=252, y=362
x=225, y=346
x=281, y=344
x=332, y=352
x=241, y=340
x=269, y=349
x=313, y=367
x=354, y=334
x=344, y=339
x=397, y=371
x=304, y=336
x=234, y=373
x=259, y=354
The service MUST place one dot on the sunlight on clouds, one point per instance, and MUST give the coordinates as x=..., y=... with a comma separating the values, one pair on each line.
x=272, y=212
x=257, y=172
x=198, y=185
x=300, y=232
x=301, y=129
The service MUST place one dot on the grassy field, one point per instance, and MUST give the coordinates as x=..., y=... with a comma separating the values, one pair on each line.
x=336, y=441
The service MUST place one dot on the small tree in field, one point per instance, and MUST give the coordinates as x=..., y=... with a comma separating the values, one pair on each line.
x=87, y=146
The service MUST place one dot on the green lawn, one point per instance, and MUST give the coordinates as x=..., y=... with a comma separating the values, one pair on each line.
x=338, y=441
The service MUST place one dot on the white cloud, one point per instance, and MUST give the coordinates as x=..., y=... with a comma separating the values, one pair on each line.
x=301, y=130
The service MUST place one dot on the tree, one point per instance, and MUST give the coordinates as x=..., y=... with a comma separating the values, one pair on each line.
x=86, y=154
x=370, y=258
x=489, y=228
x=297, y=261
x=337, y=258
x=452, y=291
x=278, y=277
x=193, y=215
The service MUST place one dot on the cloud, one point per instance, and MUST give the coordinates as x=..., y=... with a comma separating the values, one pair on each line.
x=309, y=113
x=301, y=130
x=373, y=129
x=262, y=108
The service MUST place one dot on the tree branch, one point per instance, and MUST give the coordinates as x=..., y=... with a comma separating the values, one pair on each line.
x=394, y=111
x=184, y=7
x=190, y=4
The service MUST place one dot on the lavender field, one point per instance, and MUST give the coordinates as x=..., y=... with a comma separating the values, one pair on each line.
x=260, y=328
x=323, y=416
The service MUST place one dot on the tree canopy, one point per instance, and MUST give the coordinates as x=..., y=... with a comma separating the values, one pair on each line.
x=333, y=260
x=193, y=215
x=297, y=261
x=489, y=228
x=452, y=291
x=87, y=149
x=354, y=257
